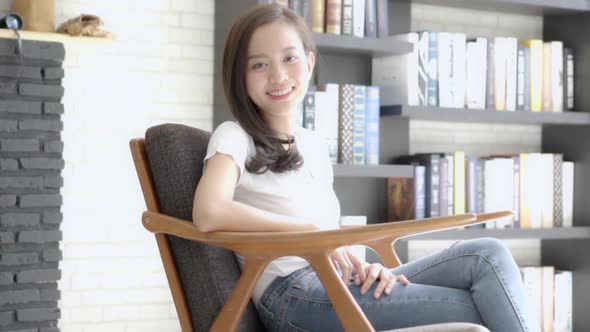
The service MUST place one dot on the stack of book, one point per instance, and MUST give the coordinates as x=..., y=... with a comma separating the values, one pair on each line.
x=348, y=121
x=358, y=18
x=501, y=73
x=537, y=187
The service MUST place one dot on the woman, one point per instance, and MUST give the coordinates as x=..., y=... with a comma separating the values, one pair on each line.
x=263, y=173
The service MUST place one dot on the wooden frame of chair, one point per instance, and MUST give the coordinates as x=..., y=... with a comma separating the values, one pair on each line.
x=259, y=248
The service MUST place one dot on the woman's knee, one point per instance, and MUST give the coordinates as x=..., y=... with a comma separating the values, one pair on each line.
x=491, y=247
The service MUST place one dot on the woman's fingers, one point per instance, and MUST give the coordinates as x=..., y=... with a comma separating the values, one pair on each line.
x=372, y=275
x=384, y=277
x=358, y=268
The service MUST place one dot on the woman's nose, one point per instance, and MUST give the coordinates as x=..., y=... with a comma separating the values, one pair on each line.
x=277, y=74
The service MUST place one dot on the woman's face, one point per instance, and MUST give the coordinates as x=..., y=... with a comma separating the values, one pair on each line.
x=277, y=70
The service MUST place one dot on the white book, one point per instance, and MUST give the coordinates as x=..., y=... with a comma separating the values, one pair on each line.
x=563, y=302
x=505, y=198
x=568, y=193
x=326, y=99
x=546, y=180
x=557, y=76
x=397, y=75
x=475, y=95
x=533, y=287
x=500, y=61
x=511, y=72
x=459, y=52
x=358, y=18
x=445, y=70
x=548, y=297
x=534, y=189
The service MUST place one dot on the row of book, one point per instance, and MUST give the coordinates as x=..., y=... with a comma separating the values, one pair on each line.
x=358, y=18
x=537, y=187
x=549, y=295
x=501, y=73
x=348, y=121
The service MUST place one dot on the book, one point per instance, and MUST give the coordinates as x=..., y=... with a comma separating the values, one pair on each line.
x=334, y=17
x=359, y=124
x=318, y=11
x=309, y=108
x=358, y=18
x=372, y=125
x=347, y=17
x=346, y=111
x=382, y=19
x=326, y=121
x=371, y=18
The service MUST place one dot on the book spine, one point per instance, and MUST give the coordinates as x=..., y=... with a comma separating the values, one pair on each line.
x=382, y=19
x=318, y=15
x=359, y=124
x=347, y=17
x=490, y=79
x=307, y=13
x=459, y=179
x=371, y=18
x=444, y=188
x=511, y=72
x=432, y=69
x=556, y=76
x=372, y=125
x=569, y=94
x=445, y=72
x=451, y=181
x=419, y=184
x=557, y=190
x=458, y=59
x=434, y=186
x=546, y=78
x=333, y=16
x=423, y=64
x=527, y=79
x=358, y=18
x=346, y=108
x=520, y=81
x=516, y=182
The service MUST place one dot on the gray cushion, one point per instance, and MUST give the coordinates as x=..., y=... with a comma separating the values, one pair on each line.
x=208, y=274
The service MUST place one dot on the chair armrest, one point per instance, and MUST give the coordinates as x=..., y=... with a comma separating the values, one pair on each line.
x=280, y=244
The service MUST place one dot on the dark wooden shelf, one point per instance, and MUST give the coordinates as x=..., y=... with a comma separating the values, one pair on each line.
x=509, y=233
x=355, y=45
x=373, y=171
x=529, y=7
x=485, y=116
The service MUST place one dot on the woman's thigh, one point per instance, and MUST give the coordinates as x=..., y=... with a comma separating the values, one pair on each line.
x=309, y=309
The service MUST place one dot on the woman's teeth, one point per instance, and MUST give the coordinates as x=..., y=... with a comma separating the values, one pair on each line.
x=280, y=92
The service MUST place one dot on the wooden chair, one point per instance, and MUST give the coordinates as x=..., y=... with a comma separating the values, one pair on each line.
x=206, y=284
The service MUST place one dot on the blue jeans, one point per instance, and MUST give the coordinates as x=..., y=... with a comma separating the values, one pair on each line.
x=474, y=281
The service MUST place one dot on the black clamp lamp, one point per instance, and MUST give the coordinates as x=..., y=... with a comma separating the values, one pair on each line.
x=13, y=22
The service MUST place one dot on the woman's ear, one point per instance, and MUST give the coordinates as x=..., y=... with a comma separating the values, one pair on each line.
x=310, y=62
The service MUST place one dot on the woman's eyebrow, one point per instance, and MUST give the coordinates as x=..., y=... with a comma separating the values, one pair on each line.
x=286, y=49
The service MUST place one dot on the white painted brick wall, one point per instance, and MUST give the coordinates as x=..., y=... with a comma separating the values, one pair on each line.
x=475, y=138
x=159, y=69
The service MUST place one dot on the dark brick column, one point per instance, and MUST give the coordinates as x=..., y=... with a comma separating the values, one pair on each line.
x=30, y=181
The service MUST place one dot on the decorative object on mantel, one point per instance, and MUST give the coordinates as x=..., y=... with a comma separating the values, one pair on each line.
x=13, y=22
x=38, y=15
x=84, y=25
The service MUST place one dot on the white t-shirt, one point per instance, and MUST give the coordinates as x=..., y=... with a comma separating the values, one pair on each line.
x=307, y=193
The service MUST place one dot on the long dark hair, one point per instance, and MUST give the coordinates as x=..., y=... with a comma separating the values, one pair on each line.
x=270, y=154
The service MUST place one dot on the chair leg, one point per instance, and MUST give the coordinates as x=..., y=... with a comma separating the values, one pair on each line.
x=348, y=311
x=231, y=314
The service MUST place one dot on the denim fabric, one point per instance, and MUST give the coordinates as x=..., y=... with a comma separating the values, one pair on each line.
x=475, y=281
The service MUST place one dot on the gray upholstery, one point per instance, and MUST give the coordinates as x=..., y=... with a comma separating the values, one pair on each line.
x=208, y=274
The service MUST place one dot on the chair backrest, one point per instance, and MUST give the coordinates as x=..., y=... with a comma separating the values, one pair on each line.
x=207, y=274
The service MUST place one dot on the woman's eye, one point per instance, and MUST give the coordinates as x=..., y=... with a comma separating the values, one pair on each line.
x=258, y=65
x=290, y=58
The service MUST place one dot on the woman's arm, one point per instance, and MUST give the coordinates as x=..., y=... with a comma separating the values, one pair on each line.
x=215, y=210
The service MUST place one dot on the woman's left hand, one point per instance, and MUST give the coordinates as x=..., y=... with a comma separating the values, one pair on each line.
x=377, y=272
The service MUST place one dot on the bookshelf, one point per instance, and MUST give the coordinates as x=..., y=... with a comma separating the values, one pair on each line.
x=485, y=115
x=543, y=234
x=362, y=189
